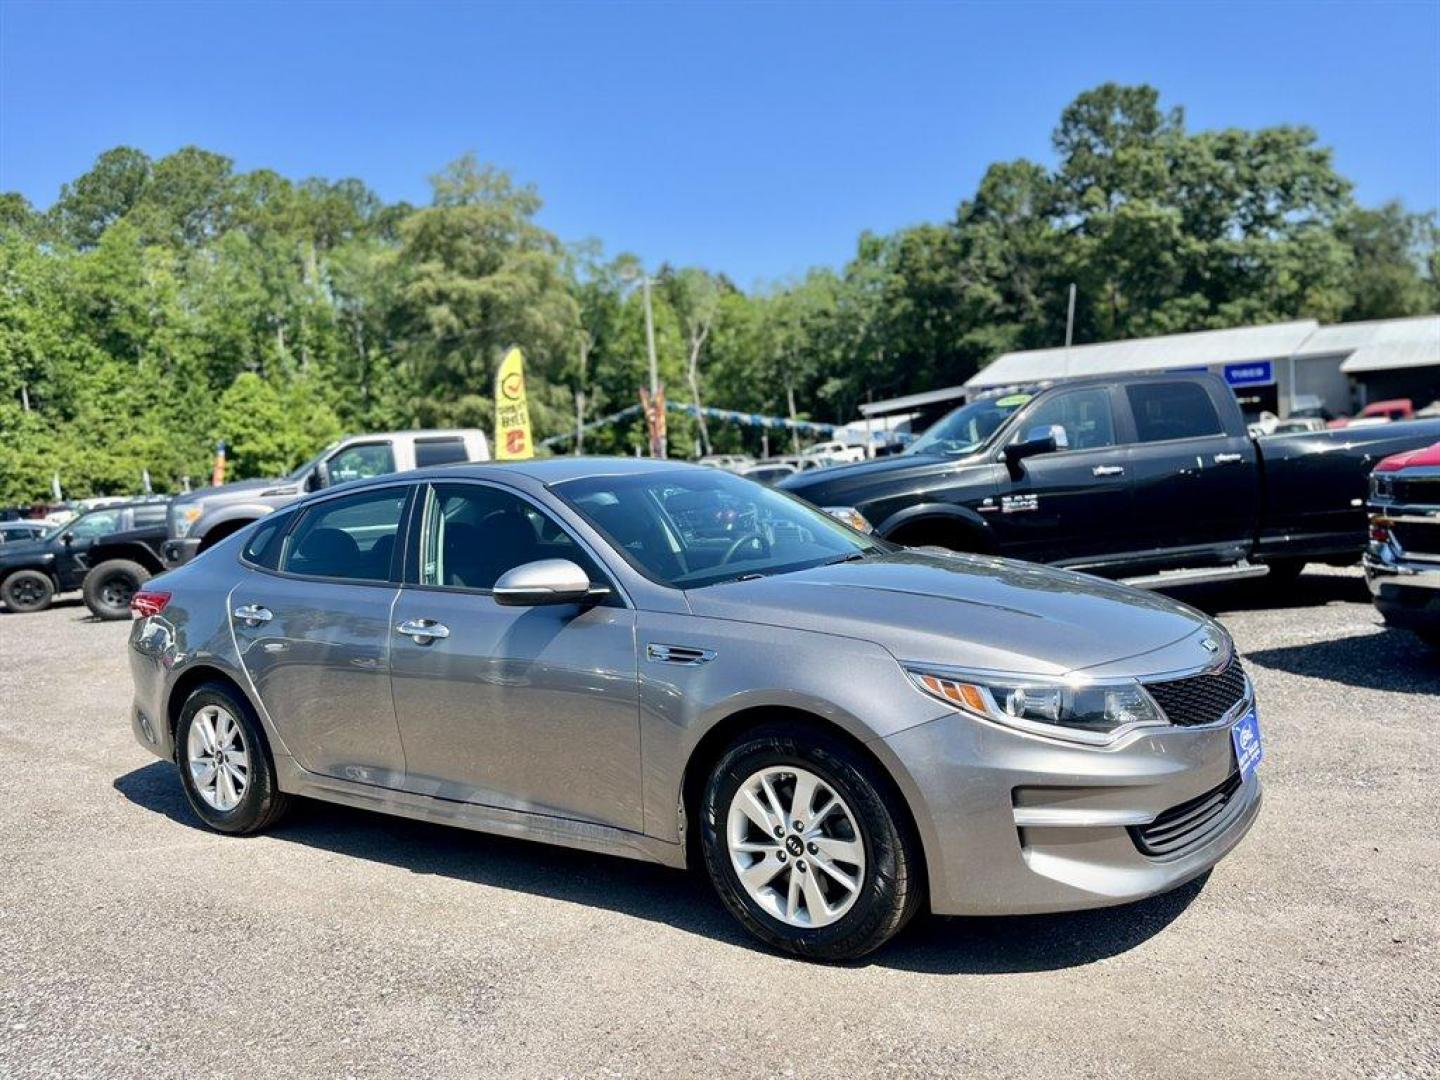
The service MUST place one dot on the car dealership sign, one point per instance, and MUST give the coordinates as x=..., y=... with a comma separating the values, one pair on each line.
x=1255, y=373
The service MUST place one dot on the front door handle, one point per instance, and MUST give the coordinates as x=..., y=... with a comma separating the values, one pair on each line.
x=1228, y=459
x=423, y=631
x=253, y=614
x=1108, y=470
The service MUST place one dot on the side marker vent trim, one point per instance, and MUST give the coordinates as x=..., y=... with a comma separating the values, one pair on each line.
x=681, y=655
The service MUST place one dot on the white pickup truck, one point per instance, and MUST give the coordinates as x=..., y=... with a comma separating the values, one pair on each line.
x=206, y=516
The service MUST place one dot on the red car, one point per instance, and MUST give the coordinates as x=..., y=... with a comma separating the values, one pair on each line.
x=1402, y=559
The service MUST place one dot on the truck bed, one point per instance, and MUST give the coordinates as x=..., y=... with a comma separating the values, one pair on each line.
x=1314, y=483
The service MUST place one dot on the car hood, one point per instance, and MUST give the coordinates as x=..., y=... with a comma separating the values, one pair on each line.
x=971, y=611
x=237, y=490
x=23, y=550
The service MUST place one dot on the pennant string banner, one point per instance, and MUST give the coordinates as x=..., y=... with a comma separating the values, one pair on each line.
x=745, y=419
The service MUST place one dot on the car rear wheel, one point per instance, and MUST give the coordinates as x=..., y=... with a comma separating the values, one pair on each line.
x=27, y=590
x=806, y=845
x=111, y=586
x=225, y=764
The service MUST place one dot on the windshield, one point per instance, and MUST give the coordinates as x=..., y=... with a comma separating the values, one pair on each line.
x=969, y=427
x=695, y=527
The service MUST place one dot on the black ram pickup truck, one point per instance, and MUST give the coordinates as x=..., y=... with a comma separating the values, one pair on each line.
x=108, y=552
x=1151, y=478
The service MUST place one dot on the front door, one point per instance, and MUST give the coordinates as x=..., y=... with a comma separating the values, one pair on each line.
x=531, y=709
x=1073, y=505
x=315, y=636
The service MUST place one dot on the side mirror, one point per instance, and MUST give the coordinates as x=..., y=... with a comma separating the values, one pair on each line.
x=547, y=581
x=68, y=537
x=321, y=476
x=1041, y=439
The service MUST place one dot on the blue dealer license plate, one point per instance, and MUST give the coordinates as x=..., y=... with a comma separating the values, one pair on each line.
x=1245, y=734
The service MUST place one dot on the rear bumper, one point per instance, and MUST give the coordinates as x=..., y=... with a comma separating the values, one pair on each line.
x=1015, y=824
x=178, y=552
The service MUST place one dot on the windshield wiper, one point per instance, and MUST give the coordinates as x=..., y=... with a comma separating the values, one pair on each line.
x=854, y=556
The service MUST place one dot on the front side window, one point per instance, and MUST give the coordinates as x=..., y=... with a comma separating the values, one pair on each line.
x=1085, y=415
x=361, y=462
x=149, y=514
x=474, y=533
x=352, y=537
x=695, y=527
x=1178, y=410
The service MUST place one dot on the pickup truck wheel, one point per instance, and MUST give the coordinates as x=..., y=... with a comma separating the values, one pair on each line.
x=27, y=590
x=110, y=586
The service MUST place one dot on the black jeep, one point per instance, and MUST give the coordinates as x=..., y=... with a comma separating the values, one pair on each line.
x=109, y=552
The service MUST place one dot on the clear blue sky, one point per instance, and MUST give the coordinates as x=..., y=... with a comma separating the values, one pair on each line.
x=751, y=139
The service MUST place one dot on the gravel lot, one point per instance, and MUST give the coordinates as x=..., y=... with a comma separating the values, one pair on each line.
x=134, y=943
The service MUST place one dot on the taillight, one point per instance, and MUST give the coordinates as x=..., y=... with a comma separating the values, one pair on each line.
x=145, y=602
x=1380, y=530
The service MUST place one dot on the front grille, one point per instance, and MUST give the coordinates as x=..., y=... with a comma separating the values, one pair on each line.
x=1416, y=489
x=1200, y=699
x=1418, y=538
x=1187, y=826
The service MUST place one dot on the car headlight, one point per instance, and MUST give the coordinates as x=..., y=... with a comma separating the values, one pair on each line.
x=187, y=516
x=850, y=516
x=1079, y=709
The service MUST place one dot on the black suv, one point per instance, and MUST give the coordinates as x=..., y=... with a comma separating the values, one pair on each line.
x=109, y=552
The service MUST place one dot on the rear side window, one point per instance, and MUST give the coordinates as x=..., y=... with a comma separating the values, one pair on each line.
x=352, y=537
x=265, y=543
x=439, y=451
x=1178, y=410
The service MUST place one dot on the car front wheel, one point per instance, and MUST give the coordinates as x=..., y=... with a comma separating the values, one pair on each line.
x=111, y=586
x=805, y=844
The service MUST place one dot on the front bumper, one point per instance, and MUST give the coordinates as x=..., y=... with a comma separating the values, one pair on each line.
x=178, y=552
x=1405, y=584
x=1019, y=824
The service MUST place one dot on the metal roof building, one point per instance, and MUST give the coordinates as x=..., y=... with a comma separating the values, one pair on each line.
x=1268, y=366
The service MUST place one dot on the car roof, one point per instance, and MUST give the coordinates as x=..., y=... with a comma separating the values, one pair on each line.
x=557, y=470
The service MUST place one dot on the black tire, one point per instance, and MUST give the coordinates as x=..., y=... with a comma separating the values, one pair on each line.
x=262, y=803
x=26, y=591
x=1430, y=638
x=109, y=587
x=892, y=889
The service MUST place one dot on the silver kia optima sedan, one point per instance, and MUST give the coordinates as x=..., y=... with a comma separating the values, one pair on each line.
x=673, y=663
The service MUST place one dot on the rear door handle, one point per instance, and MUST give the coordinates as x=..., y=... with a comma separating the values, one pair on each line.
x=1108, y=470
x=253, y=614
x=423, y=631
x=1228, y=459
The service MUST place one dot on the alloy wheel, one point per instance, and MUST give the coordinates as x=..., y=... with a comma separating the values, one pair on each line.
x=219, y=759
x=795, y=846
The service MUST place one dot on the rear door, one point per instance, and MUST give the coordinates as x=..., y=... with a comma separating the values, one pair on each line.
x=312, y=622
x=1196, y=480
x=1073, y=505
x=533, y=709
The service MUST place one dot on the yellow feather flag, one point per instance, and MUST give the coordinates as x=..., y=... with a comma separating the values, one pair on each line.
x=512, y=413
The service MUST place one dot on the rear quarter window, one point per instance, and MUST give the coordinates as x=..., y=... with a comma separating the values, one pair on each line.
x=439, y=451
x=265, y=543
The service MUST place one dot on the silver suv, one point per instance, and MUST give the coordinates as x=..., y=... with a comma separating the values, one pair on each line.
x=203, y=518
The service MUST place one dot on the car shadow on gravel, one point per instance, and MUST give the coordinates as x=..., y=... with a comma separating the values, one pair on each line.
x=1258, y=594
x=676, y=898
x=1389, y=660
